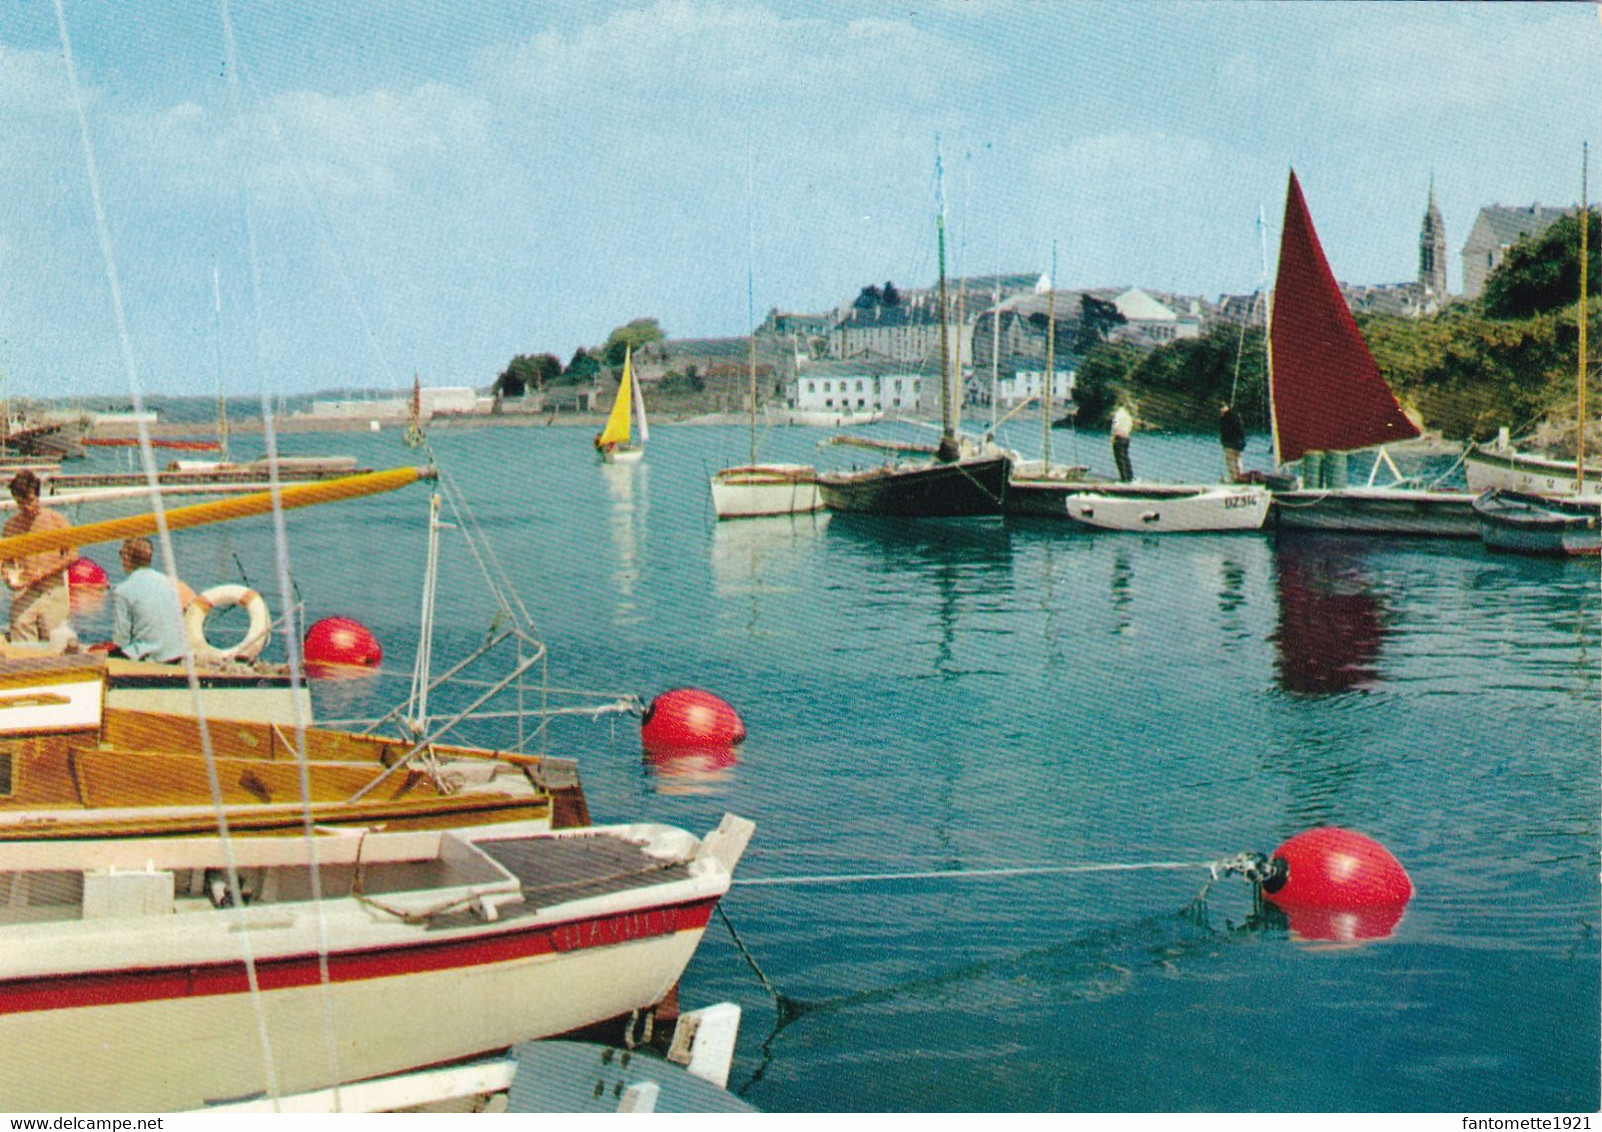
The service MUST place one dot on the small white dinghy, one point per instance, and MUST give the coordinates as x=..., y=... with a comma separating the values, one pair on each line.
x=1226, y=507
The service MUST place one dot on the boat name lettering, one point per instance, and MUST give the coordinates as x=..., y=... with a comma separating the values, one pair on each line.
x=1233, y=501
x=616, y=929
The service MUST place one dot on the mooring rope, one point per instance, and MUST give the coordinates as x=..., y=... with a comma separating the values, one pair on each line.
x=966, y=874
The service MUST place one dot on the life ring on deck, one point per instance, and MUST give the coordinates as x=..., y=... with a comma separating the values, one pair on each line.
x=255, y=638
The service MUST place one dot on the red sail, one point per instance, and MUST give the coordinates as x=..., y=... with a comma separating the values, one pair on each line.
x=1328, y=395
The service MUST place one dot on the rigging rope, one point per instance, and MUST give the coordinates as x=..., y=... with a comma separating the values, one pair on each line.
x=147, y=458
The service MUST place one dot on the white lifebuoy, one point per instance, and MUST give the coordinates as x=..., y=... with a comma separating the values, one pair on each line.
x=250, y=646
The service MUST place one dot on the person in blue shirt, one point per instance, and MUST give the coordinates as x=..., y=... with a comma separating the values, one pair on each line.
x=146, y=621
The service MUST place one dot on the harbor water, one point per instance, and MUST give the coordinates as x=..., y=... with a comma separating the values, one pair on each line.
x=984, y=698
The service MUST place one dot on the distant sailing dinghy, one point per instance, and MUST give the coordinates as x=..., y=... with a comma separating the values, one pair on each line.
x=616, y=444
x=1533, y=524
x=1228, y=507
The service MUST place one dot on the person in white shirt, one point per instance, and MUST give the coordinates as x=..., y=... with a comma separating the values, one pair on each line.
x=1123, y=423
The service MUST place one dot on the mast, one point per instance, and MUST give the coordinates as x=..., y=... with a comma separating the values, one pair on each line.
x=1268, y=335
x=995, y=351
x=284, y=498
x=750, y=293
x=1585, y=230
x=222, y=401
x=948, y=427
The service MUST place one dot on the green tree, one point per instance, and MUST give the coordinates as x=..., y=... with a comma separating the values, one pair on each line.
x=1468, y=375
x=517, y=378
x=630, y=337
x=1543, y=274
x=1181, y=383
x=1097, y=317
x=582, y=369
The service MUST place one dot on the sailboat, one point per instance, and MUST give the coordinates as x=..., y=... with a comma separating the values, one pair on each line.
x=1327, y=397
x=1542, y=524
x=613, y=441
x=962, y=479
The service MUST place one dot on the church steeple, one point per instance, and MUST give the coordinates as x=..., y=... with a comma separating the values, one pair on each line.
x=1432, y=250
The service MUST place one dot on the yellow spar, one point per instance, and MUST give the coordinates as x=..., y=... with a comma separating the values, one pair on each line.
x=200, y=514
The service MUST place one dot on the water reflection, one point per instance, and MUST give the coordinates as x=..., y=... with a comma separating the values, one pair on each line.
x=691, y=770
x=751, y=557
x=1331, y=620
x=957, y=562
x=626, y=484
x=1123, y=575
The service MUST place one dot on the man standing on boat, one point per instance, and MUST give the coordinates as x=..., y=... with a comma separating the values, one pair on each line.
x=1232, y=435
x=1123, y=423
x=39, y=603
x=146, y=622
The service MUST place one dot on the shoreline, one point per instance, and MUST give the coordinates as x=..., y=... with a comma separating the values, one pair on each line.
x=1427, y=445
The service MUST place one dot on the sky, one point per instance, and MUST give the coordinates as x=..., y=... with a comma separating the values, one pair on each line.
x=344, y=195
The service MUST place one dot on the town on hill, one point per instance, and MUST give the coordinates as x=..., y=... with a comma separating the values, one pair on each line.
x=1498, y=354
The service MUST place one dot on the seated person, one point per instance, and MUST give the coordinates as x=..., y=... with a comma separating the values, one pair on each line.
x=146, y=621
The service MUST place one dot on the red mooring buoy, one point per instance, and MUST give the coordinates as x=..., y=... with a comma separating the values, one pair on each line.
x=689, y=717
x=86, y=574
x=1333, y=869
x=340, y=642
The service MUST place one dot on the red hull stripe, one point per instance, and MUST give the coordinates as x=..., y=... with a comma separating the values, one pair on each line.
x=107, y=988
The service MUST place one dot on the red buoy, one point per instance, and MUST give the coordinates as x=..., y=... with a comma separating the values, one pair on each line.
x=1336, y=869
x=85, y=574
x=340, y=642
x=689, y=717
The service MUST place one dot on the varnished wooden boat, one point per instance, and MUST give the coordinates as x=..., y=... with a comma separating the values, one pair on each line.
x=72, y=767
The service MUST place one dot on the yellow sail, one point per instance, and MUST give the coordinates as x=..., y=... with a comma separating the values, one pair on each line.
x=201, y=514
x=620, y=423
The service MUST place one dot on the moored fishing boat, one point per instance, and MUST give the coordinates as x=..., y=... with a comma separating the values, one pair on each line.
x=968, y=486
x=1327, y=397
x=1508, y=469
x=1227, y=507
x=368, y=954
x=961, y=480
x=1535, y=524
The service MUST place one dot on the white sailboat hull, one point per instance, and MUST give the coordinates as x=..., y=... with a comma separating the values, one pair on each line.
x=481, y=940
x=155, y=1057
x=1204, y=509
x=1488, y=469
x=765, y=489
